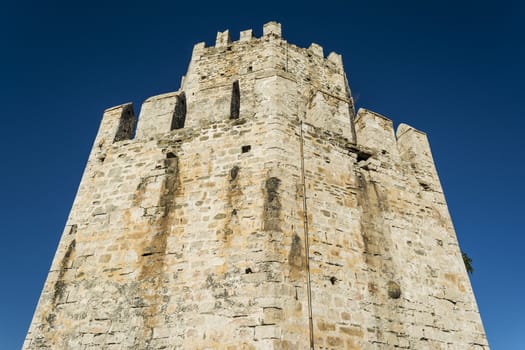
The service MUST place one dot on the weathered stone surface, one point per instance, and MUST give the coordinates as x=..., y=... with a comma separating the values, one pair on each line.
x=248, y=201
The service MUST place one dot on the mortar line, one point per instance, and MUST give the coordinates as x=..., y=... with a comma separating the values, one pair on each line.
x=306, y=243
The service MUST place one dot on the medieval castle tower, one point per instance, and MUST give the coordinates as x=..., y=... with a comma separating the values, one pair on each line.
x=254, y=209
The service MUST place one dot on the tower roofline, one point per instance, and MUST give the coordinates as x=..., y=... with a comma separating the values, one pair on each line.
x=271, y=30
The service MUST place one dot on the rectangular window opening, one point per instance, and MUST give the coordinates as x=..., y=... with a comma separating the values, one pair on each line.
x=179, y=114
x=236, y=101
x=126, y=126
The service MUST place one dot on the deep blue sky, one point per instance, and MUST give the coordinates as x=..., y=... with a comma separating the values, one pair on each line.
x=453, y=70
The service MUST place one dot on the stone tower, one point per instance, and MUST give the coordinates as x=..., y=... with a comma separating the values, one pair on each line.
x=253, y=209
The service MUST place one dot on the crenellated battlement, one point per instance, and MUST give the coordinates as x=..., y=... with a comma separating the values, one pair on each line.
x=246, y=74
x=406, y=144
x=271, y=32
x=252, y=78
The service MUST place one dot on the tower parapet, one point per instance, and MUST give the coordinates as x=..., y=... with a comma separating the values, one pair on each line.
x=249, y=210
x=314, y=87
x=162, y=113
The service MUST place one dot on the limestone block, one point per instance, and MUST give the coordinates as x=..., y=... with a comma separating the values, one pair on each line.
x=267, y=332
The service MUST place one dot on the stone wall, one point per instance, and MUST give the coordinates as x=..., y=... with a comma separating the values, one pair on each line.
x=249, y=211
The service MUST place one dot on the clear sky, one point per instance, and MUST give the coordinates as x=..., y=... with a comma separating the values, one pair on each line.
x=454, y=69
